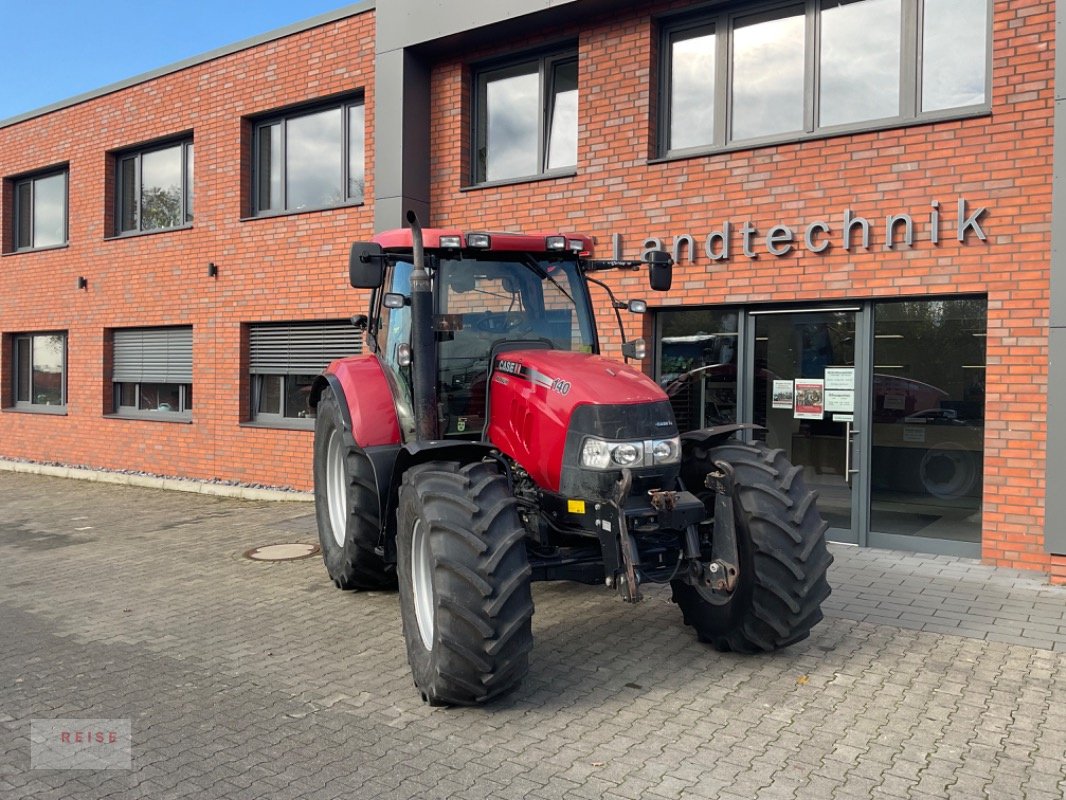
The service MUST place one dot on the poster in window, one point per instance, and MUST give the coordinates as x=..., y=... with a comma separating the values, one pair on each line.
x=840, y=379
x=837, y=400
x=782, y=394
x=809, y=398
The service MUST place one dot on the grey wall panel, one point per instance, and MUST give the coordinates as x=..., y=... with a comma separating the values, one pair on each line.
x=404, y=23
x=1055, y=527
x=1055, y=524
x=401, y=139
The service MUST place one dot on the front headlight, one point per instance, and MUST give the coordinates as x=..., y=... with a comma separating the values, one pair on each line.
x=601, y=454
x=666, y=451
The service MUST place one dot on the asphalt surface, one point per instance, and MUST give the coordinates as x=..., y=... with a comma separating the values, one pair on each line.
x=931, y=677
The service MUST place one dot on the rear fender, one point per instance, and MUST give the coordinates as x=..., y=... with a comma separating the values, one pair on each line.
x=365, y=398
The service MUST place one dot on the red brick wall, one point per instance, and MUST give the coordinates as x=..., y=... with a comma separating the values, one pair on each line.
x=1001, y=161
x=284, y=268
x=292, y=267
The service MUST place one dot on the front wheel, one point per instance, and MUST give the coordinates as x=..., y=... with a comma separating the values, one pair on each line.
x=464, y=577
x=781, y=549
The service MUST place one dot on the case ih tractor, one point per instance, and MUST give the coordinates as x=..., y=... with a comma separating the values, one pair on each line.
x=484, y=444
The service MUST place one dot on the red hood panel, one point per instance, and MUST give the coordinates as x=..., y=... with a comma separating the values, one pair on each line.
x=533, y=394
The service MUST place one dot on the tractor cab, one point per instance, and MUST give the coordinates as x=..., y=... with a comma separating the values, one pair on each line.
x=492, y=293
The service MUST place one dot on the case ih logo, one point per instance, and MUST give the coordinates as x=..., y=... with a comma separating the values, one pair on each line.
x=556, y=385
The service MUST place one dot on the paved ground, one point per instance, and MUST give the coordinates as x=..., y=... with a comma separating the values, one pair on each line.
x=932, y=677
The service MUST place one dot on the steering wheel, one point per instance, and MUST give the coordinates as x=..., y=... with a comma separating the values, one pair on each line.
x=503, y=322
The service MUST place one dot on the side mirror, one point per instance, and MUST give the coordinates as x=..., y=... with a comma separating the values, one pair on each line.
x=660, y=270
x=635, y=348
x=366, y=266
x=360, y=322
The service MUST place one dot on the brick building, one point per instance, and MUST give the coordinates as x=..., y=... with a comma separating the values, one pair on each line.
x=860, y=197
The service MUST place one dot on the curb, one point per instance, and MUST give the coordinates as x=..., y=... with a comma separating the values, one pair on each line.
x=153, y=482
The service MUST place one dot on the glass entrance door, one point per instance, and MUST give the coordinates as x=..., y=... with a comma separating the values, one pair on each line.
x=806, y=397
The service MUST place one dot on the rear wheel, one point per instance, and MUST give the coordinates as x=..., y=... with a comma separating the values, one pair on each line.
x=781, y=549
x=464, y=578
x=346, y=504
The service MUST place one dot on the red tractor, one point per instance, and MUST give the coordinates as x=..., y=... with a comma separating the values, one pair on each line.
x=484, y=444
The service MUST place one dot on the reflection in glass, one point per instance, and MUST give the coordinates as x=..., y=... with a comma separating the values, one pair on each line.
x=23, y=367
x=954, y=53
x=928, y=418
x=313, y=148
x=127, y=394
x=768, y=73
x=24, y=209
x=48, y=356
x=562, y=142
x=356, y=152
x=801, y=346
x=164, y=397
x=511, y=136
x=270, y=394
x=704, y=340
x=188, y=182
x=860, y=60
x=50, y=210
x=269, y=167
x=692, y=66
x=297, y=390
x=161, y=175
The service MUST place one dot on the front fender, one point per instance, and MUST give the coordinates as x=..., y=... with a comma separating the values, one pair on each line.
x=710, y=437
x=414, y=453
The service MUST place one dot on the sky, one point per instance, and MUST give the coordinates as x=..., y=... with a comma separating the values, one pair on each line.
x=55, y=49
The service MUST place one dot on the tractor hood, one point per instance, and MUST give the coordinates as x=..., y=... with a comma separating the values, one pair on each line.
x=534, y=395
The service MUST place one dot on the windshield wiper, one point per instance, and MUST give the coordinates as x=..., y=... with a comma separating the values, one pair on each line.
x=543, y=274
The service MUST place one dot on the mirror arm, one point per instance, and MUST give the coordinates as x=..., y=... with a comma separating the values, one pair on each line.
x=616, y=304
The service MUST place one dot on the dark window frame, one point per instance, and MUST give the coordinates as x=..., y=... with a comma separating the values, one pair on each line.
x=17, y=246
x=298, y=338
x=545, y=64
x=265, y=122
x=722, y=21
x=187, y=178
x=16, y=387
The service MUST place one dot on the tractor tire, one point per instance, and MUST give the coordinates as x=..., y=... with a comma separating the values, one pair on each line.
x=346, y=505
x=781, y=549
x=464, y=575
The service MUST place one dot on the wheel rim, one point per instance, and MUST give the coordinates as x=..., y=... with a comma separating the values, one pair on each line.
x=947, y=471
x=336, y=488
x=422, y=583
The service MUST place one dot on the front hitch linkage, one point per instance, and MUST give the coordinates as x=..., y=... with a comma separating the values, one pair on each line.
x=721, y=574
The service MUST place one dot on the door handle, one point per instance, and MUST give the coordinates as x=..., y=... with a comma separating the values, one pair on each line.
x=849, y=435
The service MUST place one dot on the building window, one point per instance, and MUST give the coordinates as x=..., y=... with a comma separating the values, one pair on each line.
x=929, y=417
x=310, y=159
x=818, y=66
x=152, y=372
x=39, y=363
x=527, y=118
x=284, y=360
x=155, y=188
x=40, y=218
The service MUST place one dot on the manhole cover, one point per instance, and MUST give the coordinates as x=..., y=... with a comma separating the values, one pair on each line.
x=282, y=552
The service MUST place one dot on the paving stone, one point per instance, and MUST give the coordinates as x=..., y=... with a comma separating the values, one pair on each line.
x=932, y=676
